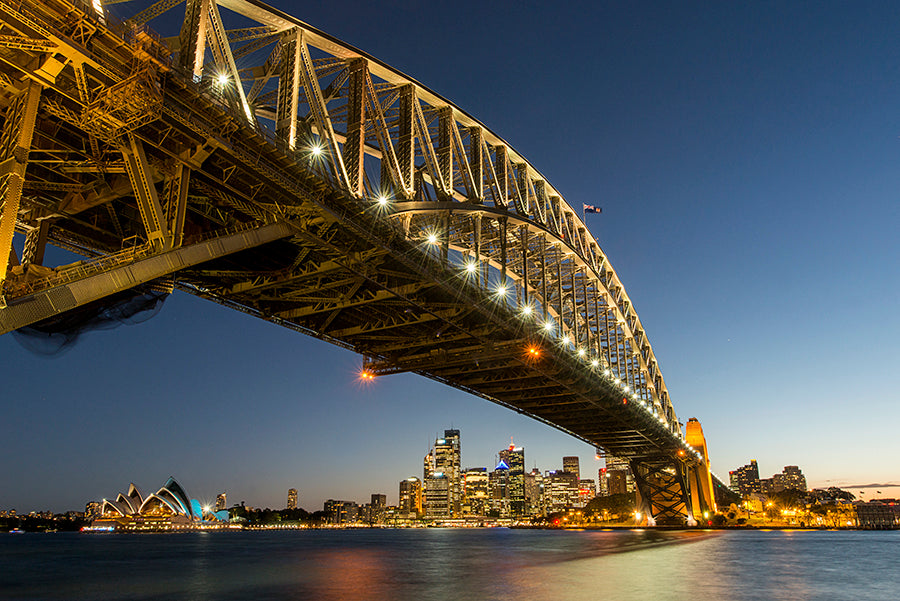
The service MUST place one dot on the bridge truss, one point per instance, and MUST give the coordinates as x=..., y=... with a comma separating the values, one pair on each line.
x=274, y=169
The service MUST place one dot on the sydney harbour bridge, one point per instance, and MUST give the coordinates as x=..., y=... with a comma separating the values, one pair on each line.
x=250, y=159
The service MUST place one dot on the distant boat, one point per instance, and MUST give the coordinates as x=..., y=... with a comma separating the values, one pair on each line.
x=17, y=531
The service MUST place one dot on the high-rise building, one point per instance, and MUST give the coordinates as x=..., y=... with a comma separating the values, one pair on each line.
x=447, y=458
x=378, y=508
x=92, y=510
x=221, y=501
x=437, y=496
x=411, y=498
x=476, y=498
x=534, y=493
x=560, y=490
x=292, y=498
x=618, y=469
x=514, y=458
x=498, y=482
x=745, y=479
x=570, y=464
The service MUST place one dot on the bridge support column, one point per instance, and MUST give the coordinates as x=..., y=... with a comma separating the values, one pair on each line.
x=663, y=493
x=15, y=144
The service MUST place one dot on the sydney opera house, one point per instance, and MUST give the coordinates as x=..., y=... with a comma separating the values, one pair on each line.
x=169, y=508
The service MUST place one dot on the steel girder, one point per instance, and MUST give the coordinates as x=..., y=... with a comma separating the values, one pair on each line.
x=411, y=228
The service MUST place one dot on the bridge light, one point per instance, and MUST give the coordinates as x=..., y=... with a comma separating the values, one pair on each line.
x=526, y=310
x=432, y=238
x=382, y=200
x=534, y=352
x=595, y=362
x=617, y=381
x=565, y=339
x=581, y=352
x=222, y=79
x=625, y=388
x=471, y=267
x=548, y=325
x=606, y=372
x=366, y=375
x=502, y=290
x=316, y=150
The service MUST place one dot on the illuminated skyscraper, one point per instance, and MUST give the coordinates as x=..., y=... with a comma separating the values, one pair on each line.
x=618, y=470
x=570, y=464
x=411, y=498
x=475, y=491
x=447, y=458
x=534, y=493
x=498, y=481
x=292, y=498
x=221, y=501
x=746, y=479
x=514, y=458
x=587, y=490
x=437, y=496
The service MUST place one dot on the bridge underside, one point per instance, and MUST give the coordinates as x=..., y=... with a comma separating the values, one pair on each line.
x=114, y=151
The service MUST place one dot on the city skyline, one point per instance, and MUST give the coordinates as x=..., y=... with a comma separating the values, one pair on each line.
x=747, y=172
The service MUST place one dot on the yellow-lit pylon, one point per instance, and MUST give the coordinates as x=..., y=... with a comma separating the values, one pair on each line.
x=699, y=476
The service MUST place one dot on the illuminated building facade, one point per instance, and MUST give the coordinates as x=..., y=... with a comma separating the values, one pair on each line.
x=221, y=501
x=341, y=512
x=534, y=492
x=168, y=508
x=292, y=498
x=514, y=458
x=437, y=496
x=498, y=482
x=411, y=498
x=560, y=490
x=570, y=464
x=476, y=500
x=745, y=480
x=618, y=470
x=447, y=458
x=587, y=490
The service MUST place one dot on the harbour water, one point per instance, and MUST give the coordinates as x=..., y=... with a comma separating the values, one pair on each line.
x=440, y=564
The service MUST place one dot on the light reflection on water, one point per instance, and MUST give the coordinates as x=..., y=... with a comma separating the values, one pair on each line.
x=452, y=564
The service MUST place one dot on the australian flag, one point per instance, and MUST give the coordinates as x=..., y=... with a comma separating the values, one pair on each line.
x=592, y=209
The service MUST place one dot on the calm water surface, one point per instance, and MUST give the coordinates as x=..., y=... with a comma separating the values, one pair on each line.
x=452, y=564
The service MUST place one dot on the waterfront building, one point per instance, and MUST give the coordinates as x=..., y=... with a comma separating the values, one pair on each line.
x=378, y=508
x=292, y=498
x=170, y=507
x=341, y=512
x=745, y=479
x=476, y=498
x=221, y=501
x=514, y=458
x=410, y=505
x=437, y=496
x=447, y=460
x=794, y=478
x=570, y=464
x=92, y=510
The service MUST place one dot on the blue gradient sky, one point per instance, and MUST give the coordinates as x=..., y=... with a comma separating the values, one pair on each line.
x=746, y=158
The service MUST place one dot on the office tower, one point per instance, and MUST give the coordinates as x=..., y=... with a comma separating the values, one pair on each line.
x=411, y=498
x=514, y=458
x=498, y=482
x=92, y=510
x=570, y=464
x=618, y=469
x=378, y=508
x=447, y=458
x=534, y=492
x=437, y=496
x=560, y=490
x=475, y=491
x=221, y=501
x=292, y=498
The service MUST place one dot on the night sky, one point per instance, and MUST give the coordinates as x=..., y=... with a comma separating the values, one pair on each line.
x=747, y=160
